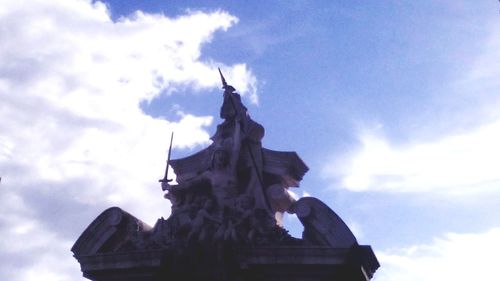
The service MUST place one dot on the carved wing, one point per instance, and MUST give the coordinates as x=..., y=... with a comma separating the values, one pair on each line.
x=286, y=164
x=192, y=165
x=322, y=226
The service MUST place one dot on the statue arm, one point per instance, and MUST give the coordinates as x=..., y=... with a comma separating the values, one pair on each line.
x=186, y=184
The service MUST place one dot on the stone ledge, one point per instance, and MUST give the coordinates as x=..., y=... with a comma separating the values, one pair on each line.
x=264, y=263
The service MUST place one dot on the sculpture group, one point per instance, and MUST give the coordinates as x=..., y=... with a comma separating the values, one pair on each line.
x=225, y=222
x=234, y=190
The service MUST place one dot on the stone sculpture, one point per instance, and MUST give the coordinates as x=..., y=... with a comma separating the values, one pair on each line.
x=246, y=182
x=223, y=218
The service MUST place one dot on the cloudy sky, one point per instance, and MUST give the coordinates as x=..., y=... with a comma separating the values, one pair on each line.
x=394, y=106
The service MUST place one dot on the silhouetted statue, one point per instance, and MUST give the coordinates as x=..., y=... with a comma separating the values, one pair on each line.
x=224, y=207
x=236, y=168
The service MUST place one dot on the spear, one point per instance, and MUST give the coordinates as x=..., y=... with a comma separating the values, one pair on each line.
x=224, y=83
x=165, y=178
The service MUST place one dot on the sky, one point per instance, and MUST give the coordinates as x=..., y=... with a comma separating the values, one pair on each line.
x=393, y=105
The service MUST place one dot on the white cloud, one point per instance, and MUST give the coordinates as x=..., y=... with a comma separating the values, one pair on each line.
x=455, y=256
x=455, y=164
x=74, y=139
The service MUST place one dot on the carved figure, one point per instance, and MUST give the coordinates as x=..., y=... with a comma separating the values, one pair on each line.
x=227, y=195
x=246, y=209
x=246, y=182
x=199, y=224
x=250, y=162
x=221, y=176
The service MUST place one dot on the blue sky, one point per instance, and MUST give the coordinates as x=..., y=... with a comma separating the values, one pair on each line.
x=394, y=106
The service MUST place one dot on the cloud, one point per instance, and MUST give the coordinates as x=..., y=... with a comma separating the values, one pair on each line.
x=74, y=139
x=454, y=164
x=51, y=259
x=471, y=256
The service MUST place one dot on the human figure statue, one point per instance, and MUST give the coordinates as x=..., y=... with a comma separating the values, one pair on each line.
x=235, y=167
x=261, y=224
x=246, y=208
x=221, y=176
x=250, y=161
x=199, y=224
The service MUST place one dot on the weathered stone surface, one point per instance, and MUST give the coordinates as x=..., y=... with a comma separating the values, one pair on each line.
x=250, y=264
